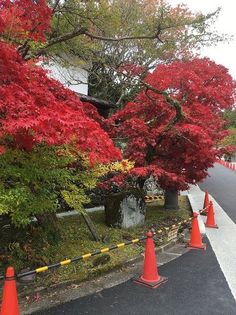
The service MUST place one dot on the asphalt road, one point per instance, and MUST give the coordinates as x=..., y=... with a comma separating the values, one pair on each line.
x=196, y=285
x=221, y=184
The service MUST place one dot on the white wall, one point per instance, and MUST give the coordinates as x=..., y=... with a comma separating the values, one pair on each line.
x=75, y=79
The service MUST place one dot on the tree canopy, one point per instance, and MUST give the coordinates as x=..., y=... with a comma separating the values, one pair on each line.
x=105, y=36
x=48, y=142
x=174, y=126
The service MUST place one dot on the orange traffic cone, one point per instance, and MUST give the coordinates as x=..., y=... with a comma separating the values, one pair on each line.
x=210, y=222
x=9, y=299
x=205, y=204
x=150, y=277
x=196, y=238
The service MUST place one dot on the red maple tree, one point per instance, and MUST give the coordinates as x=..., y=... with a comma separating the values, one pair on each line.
x=34, y=108
x=24, y=19
x=173, y=127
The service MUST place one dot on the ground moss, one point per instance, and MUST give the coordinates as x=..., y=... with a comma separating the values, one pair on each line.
x=76, y=240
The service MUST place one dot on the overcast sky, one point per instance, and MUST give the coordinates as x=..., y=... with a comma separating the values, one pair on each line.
x=224, y=54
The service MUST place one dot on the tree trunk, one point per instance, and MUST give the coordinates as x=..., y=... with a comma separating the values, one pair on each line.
x=48, y=218
x=91, y=227
x=49, y=224
x=171, y=199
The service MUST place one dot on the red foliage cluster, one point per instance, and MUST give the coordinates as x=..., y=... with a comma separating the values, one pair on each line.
x=35, y=108
x=182, y=154
x=25, y=19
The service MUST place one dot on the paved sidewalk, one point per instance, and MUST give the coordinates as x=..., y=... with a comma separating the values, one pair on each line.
x=196, y=199
x=223, y=240
x=221, y=183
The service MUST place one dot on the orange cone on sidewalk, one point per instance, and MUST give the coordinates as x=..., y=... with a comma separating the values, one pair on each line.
x=150, y=277
x=196, y=238
x=205, y=204
x=210, y=222
x=9, y=300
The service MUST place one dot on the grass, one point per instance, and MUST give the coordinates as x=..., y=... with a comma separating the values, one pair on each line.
x=76, y=240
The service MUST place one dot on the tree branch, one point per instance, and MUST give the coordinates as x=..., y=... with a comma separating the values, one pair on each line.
x=55, y=6
x=84, y=31
x=58, y=40
x=173, y=102
x=118, y=39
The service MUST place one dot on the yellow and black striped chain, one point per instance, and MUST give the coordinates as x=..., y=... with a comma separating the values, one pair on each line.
x=153, y=198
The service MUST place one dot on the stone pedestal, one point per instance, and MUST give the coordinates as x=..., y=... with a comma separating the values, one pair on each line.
x=151, y=187
x=125, y=209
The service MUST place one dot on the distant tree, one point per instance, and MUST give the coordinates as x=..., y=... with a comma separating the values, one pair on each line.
x=230, y=139
x=174, y=126
x=230, y=116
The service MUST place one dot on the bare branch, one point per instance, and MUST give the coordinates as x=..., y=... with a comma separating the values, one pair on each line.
x=122, y=96
x=55, y=6
x=118, y=39
x=65, y=37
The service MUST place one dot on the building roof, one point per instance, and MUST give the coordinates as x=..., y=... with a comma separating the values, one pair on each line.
x=102, y=106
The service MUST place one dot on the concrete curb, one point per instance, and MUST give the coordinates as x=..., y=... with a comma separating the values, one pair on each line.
x=196, y=198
